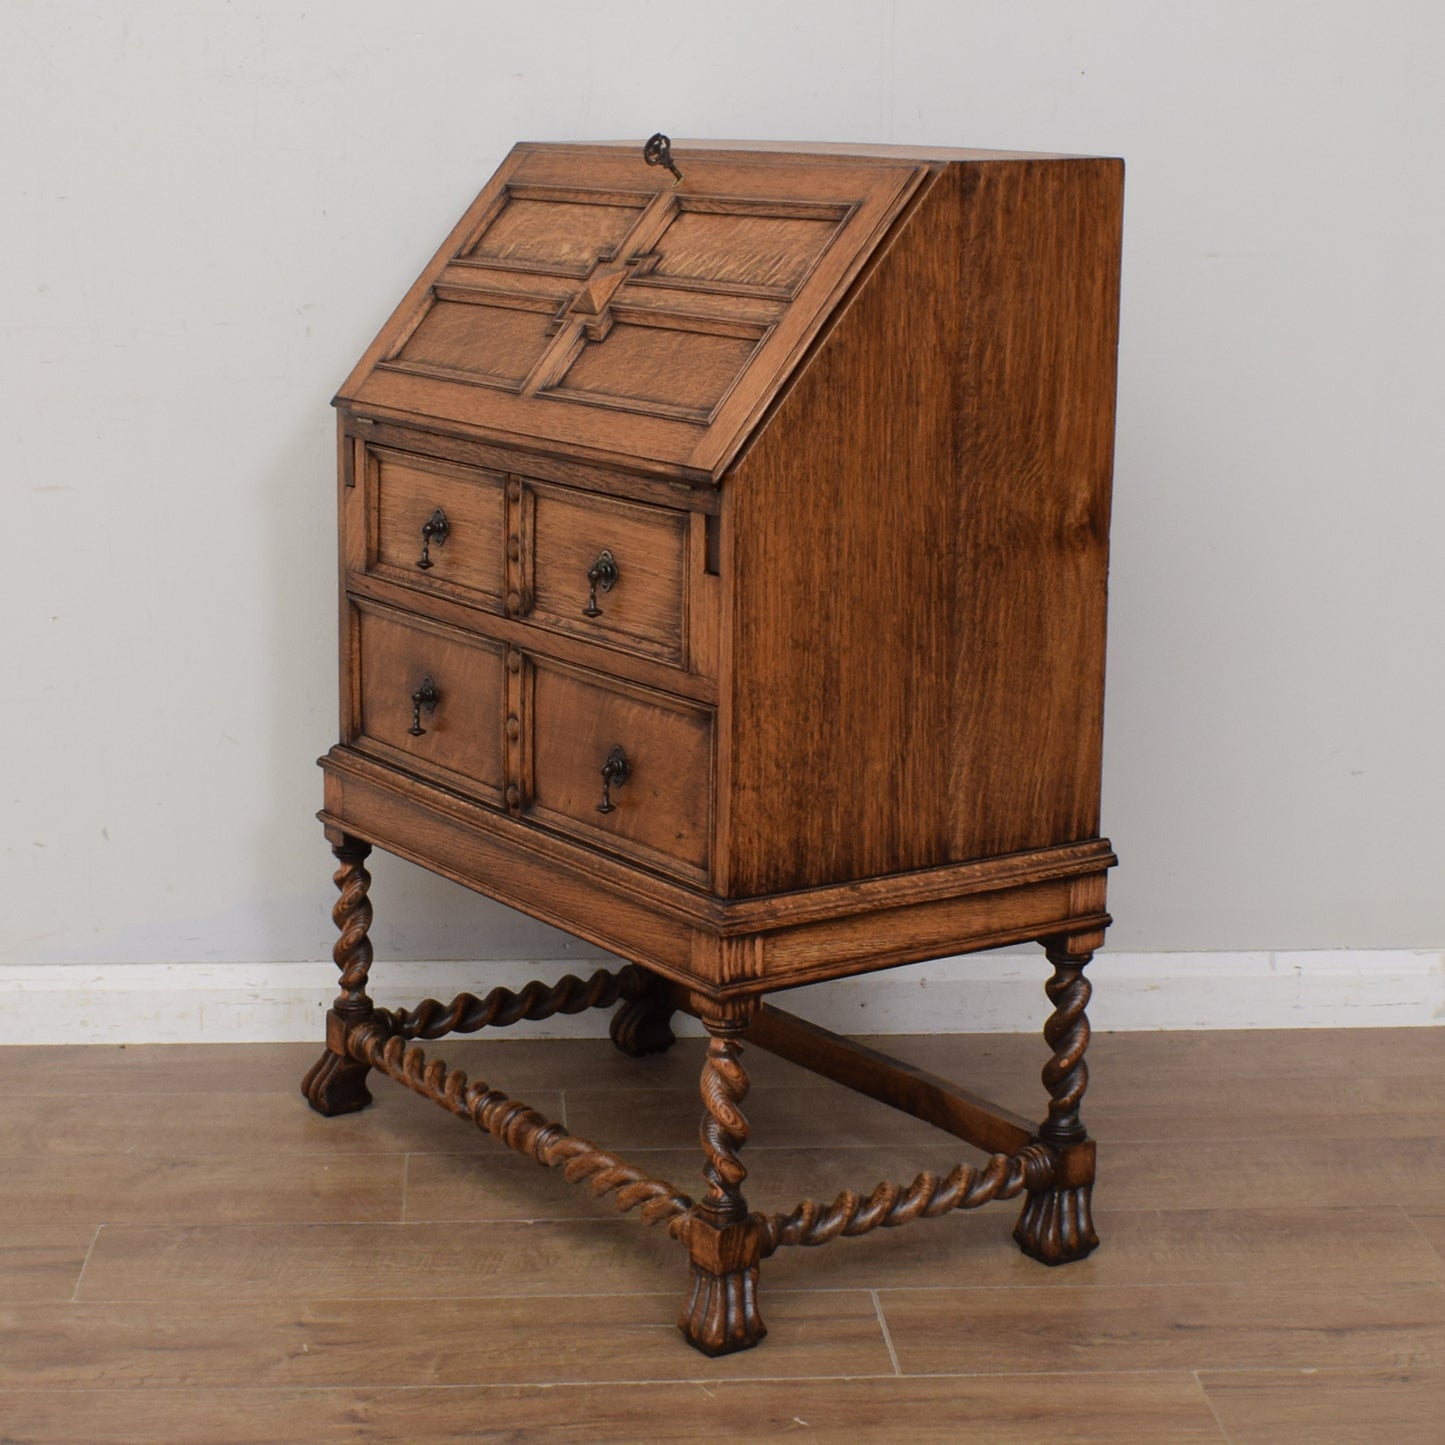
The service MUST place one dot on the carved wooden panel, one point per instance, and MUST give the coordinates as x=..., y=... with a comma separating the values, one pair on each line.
x=666, y=365
x=557, y=228
x=751, y=249
x=584, y=298
x=479, y=336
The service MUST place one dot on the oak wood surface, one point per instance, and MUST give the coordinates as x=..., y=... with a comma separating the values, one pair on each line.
x=643, y=610
x=936, y=483
x=461, y=733
x=678, y=931
x=403, y=493
x=562, y=210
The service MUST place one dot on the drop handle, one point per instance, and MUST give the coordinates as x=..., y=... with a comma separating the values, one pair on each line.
x=434, y=529
x=615, y=771
x=602, y=573
x=426, y=696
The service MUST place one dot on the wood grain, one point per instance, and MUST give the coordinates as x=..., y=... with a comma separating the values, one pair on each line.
x=1265, y=1247
x=1100, y=1328
x=668, y=427
x=180, y=1344
x=402, y=494
x=941, y=693
x=376, y=1261
x=153, y=1188
x=1276, y=1172
x=42, y=1261
x=1403, y=1405
x=145, y=1124
x=643, y=610
x=1431, y=1224
x=461, y=737
x=1078, y=1410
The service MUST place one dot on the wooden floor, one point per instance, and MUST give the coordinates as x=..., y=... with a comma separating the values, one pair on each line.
x=188, y=1254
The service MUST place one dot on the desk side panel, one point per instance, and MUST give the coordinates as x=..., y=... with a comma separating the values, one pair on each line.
x=916, y=548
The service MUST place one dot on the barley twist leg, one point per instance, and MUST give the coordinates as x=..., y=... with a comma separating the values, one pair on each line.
x=1057, y=1224
x=336, y=1083
x=723, y=1240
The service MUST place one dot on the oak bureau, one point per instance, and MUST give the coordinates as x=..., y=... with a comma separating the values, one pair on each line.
x=724, y=534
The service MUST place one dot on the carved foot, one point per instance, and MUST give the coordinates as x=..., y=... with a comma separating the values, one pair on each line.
x=721, y=1315
x=336, y=1083
x=1057, y=1225
x=643, y=1024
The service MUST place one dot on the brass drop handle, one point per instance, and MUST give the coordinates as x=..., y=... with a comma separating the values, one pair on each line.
x=602, y=573
x=616, y=770
x=434, y=529
x=426, y=696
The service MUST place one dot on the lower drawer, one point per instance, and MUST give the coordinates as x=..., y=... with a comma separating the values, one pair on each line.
x=626, y=769
x=431, y=697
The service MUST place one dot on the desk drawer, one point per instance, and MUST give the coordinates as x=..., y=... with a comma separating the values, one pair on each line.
x=606, y=570
x=437, y=525
x=431, y=698
x=657, y=794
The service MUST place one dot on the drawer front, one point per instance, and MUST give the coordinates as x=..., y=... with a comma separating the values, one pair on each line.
x=431, y=698
x=658, y=792
x=607, y=570
x=438, y=526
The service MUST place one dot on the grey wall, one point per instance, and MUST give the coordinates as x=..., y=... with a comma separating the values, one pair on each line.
x=210, y=210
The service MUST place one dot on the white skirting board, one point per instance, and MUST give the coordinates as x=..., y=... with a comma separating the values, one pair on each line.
x=987, y=993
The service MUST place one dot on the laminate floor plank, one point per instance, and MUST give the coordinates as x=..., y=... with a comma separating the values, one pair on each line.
x=1275, y=1172
x=1077, y=1410
x=42, y=1261
x=1431, y=1224
x=778, y=1116
x=28, y=1070
x=1100, y=1328
x=276, y=1124
x=1401, y=1406
x=380, y=1261
x=1269, y=1053
x=1270, y=1247
x=219, y=1343
x=212, y=1188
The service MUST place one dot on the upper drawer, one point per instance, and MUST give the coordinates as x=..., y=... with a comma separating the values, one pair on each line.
x=606, y=570
x=437, y=525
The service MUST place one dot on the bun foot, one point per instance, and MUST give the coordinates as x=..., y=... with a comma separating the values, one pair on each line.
x=642, y=1025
